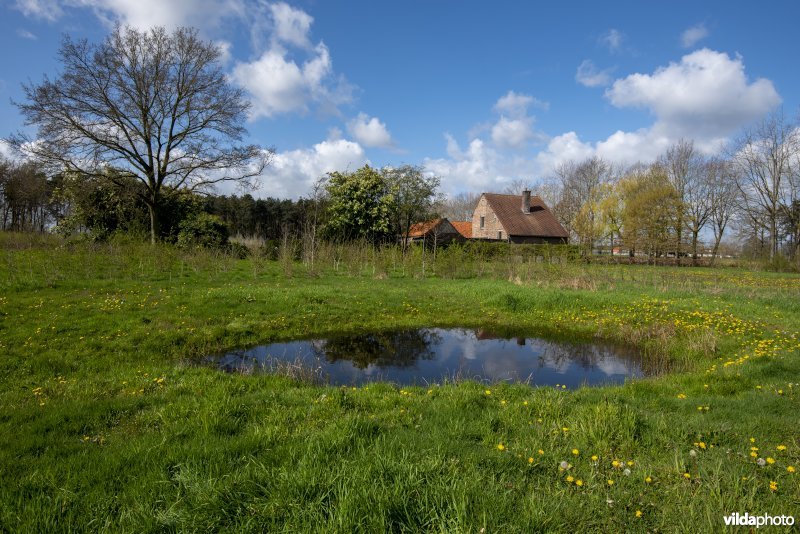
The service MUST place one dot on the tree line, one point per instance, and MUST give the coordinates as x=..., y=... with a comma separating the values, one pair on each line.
x=669, y=207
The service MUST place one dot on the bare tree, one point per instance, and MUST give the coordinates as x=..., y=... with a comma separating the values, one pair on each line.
x=723, y=198
x=580, y=189
x=763, y=157
x=460, y=207
x=151, y=104
x=515, y=187
x=683, y=166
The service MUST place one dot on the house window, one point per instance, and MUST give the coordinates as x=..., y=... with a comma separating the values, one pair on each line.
x=483, y=221
x=500, y=235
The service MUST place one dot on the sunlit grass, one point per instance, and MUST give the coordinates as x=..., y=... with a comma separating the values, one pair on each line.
x=107, y=425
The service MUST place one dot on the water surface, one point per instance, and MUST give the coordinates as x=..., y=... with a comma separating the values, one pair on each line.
x=433, y=355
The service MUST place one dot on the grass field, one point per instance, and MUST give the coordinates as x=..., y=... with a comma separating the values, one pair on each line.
x=105, y=423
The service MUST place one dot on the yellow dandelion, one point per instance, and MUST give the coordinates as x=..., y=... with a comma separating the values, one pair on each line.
x=770, y=461
x=630, y=463
x=773, y=485
x=488, y=392
x=687, y=475
x=790, y=469
x=576, y=452
x=540, y=451
x=530, y=460
x=501, y=447
x=610, y=482
x=579, y=483
x=569, y=479
x=681, y=395
x=594, y=457
x=781, y=447
x=615, y=463
x=752, y=440
x=638, y=513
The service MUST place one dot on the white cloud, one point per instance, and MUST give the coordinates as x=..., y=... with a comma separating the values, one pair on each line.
x=279, y=85
x=590, y=76
x=514, y=128
x=291, y=25
x=705, y=97
x=480, y=167
x=292, y=173
x=25, y=34
x=369, y=131
x=7, y=152
x=516, y=104
x=706, y=94
x=612, y=39
x=512, y=133
x=145, y=14
x=49, y=10
x=561, y=149
x=693, y=35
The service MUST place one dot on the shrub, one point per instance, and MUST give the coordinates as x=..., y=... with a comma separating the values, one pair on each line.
x=202, y=230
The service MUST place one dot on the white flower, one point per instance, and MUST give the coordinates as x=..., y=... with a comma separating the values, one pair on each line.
x=692, y=453
x=762, y=462
x=627, y=472
x=564, y=465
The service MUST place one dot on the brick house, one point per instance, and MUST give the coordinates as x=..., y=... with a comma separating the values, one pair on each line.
x=516, y=218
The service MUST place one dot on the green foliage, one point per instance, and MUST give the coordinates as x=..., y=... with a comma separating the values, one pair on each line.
x=203, y=231
x=360, y=206
x=414, y=196
x=102, y=207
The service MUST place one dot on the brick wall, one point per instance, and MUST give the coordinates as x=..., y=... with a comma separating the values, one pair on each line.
x=491, y=225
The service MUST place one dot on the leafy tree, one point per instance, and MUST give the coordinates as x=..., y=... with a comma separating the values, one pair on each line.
x=360, y=205
x=650, y=216
x=202, y=230
x=414, y=197
x=155, y=106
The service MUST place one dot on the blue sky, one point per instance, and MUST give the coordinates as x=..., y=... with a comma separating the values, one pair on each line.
x=480, y=93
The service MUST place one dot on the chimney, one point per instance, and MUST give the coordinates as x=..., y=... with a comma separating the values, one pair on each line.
x=526, y=201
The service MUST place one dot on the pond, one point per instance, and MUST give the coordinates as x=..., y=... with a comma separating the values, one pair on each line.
x=434, y=355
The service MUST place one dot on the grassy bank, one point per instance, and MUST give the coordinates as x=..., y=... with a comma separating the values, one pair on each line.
x=106, y=424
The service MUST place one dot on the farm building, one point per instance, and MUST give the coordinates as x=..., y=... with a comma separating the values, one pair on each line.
x=516, y=218
x=439, y=231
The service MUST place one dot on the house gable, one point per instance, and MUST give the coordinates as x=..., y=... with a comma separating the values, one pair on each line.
x=492, y=227
x=505, y=213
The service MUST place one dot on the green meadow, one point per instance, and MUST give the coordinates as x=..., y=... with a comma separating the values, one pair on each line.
x=107, y=422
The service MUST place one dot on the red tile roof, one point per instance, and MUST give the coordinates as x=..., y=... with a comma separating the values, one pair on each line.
x=464, y=228
x=420, y=229
x=540, y=222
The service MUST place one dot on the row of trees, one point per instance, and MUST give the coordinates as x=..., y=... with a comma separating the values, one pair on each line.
x=366, y=204
x=669, y=206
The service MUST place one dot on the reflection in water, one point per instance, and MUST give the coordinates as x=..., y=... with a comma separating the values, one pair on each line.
x=431, y=355
x=399, y=349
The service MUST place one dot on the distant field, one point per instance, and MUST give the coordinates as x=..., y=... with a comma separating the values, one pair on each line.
x=106, y=424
